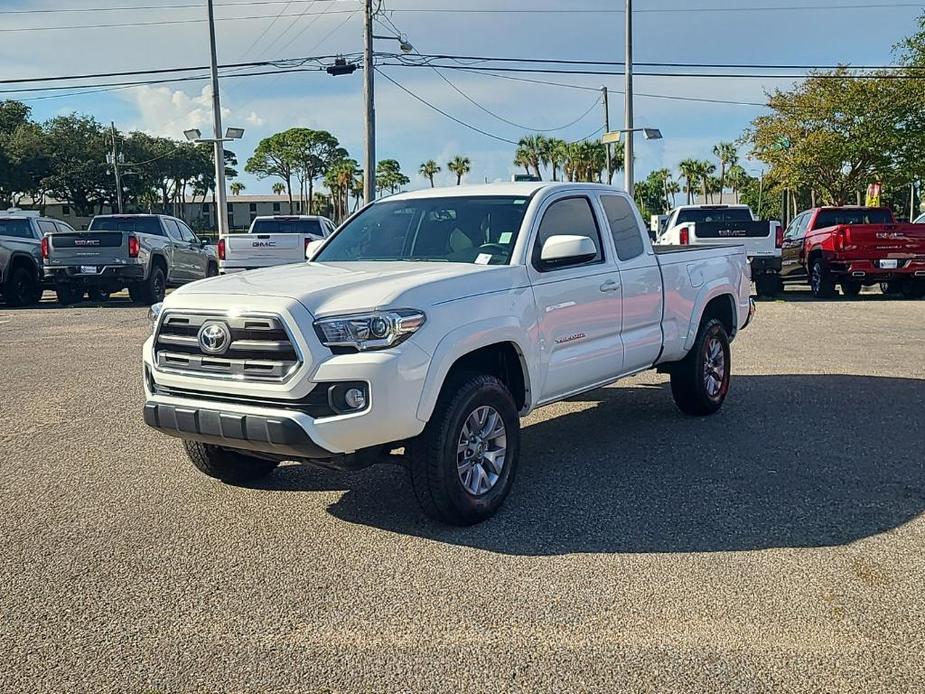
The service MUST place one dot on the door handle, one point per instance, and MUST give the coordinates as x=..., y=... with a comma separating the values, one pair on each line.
x=610, y=286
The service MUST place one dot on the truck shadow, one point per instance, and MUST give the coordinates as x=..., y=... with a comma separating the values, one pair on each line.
x=791, y=461
x=796, y=295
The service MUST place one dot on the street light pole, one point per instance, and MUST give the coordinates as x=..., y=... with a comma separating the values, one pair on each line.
x=221, y=201
x=607, y=130
x=628, y=111
x=369, y=159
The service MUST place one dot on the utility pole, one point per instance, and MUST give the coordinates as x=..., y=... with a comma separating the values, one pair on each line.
x=115, y=168
x=628, y=110
x=607, y=130
x=369, y=159
x=221, y=201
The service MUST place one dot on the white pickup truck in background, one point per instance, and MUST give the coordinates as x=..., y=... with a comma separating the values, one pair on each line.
x=704, y=225
x=277, y=240
x=429, y=323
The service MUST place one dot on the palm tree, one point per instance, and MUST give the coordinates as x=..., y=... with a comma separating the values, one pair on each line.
x=558, y=153
x=727, y=155
x=531, y=148
x=705, y=169
x=429, y=169
x=663, y=176
x=279, y=188
x=237, y=187
x=737, y=177
x=690, y=171
x=460, y=166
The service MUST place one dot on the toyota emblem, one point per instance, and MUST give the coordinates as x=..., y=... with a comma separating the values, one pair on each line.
x=214, y=338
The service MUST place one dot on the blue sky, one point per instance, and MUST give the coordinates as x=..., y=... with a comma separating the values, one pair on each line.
x=408, y=130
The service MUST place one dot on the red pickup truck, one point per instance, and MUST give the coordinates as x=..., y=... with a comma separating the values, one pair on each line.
x=854, y=247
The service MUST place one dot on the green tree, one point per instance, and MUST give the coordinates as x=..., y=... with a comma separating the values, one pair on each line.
x=313, y=153
x=389, y=176
x=460, y=166
x=275, y=157
x=737, y=177
x=237, y=187
x=690, y=172
x=429, y=169
x=532, y=149
x=77, y=147
x=279, y=188
x=728, y=155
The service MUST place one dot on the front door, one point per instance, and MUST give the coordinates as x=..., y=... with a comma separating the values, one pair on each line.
x=791, y=256
x=579, y=307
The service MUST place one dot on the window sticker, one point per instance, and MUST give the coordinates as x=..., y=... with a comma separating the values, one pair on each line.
x=505, y=237
x=483, y=259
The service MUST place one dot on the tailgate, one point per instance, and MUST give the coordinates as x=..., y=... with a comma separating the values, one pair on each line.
x=757, y=237
x=872, y=241
x=263, y=250
x=90, y=247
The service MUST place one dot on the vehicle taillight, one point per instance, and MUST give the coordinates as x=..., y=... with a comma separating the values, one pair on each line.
x=44, y=246
x=779, y=237
x=841, y=239
x=133, y=247
x=684, y=236
x=221, y=249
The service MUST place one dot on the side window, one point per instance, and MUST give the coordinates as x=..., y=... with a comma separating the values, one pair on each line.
x=173, y=231
x=47, y=227
x=186, y=233
x=64, y=228
x=568, y=217
x=803, y=225
x=623, y=226
x=791, y=231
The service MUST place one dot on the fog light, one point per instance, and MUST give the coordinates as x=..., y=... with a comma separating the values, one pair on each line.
x=355, y=399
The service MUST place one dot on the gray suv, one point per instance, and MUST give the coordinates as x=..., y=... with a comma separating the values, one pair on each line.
x=144, y=252
x=21, y=235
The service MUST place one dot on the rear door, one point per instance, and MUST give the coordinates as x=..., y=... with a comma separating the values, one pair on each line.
x=181, y=261
x=579, y=307
x=640, y=285
x=197, y=258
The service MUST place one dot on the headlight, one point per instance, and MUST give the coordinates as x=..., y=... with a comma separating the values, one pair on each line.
x=154, y=313
x=365, y=331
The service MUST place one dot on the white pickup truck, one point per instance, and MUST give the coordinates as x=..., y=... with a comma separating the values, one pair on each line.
x=431, y=322
x=270, y=241
x=704, y=225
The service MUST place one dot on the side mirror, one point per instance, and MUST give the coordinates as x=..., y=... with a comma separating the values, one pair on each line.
x=203, y=243
x=312, y=248
x=567, y=250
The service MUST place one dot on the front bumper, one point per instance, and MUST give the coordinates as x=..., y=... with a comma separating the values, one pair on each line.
x=267, y=434
x=105, y=274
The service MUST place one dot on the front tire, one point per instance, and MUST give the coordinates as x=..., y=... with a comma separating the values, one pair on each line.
x=700, y=381
x=463, y=464
x=228, y=466
x=821, y=282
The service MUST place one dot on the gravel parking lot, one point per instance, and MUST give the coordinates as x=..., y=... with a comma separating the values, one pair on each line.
x=779, y=545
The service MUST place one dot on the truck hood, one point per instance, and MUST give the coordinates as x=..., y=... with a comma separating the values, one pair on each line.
x=335, y=288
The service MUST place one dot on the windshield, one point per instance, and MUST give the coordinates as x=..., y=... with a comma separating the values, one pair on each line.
x=725, y=214
x=287, y=226
x=461, y=229
x=861, y=215
x=139, y=225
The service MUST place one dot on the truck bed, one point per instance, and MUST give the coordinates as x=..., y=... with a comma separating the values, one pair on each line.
x=666, y=249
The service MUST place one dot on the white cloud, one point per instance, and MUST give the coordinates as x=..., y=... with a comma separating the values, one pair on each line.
x=167, y=112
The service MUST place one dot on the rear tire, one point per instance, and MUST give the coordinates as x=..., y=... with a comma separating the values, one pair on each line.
x=228, y=466
x=68, y=295
x=98, y=295
x=913, y=289
x=768, y=285
x=850, y=288
x=700, y=381
x=463, y=464
x=821, y=282
x=153, y=289
x=212, y=270
x=22, y=289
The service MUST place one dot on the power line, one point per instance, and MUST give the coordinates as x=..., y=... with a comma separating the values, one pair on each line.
x=617, y=91
x=164, y=22
x=266, y=29
x=656, y=10
x=444, y=113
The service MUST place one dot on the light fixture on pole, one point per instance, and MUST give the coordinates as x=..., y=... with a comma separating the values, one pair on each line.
x=221, y=201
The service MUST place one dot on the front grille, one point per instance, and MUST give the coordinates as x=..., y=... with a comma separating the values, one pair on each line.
x=258, y=347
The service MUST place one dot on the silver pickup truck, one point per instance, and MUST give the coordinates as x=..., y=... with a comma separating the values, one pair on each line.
x=21, y=236
x=145, y=253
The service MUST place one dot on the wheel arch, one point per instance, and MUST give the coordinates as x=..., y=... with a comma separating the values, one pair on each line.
x=715, y=300
x=19, y=259
x=494, y=349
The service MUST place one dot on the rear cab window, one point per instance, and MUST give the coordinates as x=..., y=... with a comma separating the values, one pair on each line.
x=717, y=214
x=860, y=215
x=135, y=225
x=287, y=226
x=624, y=228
